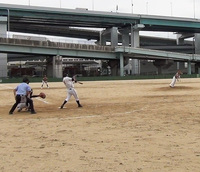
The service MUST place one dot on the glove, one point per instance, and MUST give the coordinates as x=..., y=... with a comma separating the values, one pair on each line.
x=42, y=95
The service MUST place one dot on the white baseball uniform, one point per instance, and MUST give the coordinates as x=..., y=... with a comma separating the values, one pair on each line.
x=175, y=77
x=69, y=83
x=22, y=103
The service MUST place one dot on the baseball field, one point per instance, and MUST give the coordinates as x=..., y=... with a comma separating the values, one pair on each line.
x=123, y=126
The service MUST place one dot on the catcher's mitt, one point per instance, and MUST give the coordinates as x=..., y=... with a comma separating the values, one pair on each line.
x=42, y=95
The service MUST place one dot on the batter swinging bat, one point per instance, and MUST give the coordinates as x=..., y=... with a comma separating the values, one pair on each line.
x=79, y=82
x=76, y=80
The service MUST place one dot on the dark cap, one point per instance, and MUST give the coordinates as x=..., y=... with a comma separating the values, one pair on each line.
x=26, y=80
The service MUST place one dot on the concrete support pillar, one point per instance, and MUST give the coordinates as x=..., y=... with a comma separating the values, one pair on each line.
x=49, y=66
x=197, y=43
x=135, y=42
x=135, y=67
x=135, y=39
x=125, y=37
x=125, y=42
x=121, y=64
x=114, y=36
x=197, y=68
x=179, y=39
x=3, y=65
x=54, y=67
x=3, y=56
x=189, y=68
x=112, y=33
x=3, y=27
x=114, y=67
x=159, y=63
x=57, y=67
x=102, y=39
x=177, y=65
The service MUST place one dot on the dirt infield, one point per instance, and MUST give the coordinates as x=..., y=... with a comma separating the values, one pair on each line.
x=124, y=126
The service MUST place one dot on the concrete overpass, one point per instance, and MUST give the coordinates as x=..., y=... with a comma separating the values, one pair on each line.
x=61, y=22
x=117, y=27
x=72, y=23
x=30, y=47
x=57, y=50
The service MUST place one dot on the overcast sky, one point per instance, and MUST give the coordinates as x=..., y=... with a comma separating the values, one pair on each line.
x=175, y=8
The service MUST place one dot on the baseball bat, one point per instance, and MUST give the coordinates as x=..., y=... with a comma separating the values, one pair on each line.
x=79, y=82
x=76, y=80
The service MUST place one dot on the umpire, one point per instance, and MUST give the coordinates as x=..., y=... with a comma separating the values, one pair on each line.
x=22, y=90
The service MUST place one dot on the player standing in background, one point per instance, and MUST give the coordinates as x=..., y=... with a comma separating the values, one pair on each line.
x=21, y=91
x=175, y=78
x=69, y=83
x=44, y=81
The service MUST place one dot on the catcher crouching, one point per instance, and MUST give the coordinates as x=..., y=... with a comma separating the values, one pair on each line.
x=25, y=105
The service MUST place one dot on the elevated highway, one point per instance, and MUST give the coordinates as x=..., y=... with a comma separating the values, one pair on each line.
x=86, y=24
x=30, y=47
x=47, y=48
x=101, y=26
x=64, y=22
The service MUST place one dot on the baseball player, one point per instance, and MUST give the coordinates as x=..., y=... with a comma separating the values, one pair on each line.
x=175, y=78
x=44, y=81
x=69, y=83
x=22, y=91
x=24, y=104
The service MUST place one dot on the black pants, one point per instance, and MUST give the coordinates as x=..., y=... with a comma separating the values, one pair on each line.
x=18, y=100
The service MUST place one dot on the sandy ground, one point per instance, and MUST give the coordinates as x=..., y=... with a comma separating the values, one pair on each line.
x=124, y=126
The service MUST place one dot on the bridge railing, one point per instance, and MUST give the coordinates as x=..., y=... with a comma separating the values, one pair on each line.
x=60, y=45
